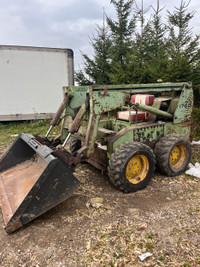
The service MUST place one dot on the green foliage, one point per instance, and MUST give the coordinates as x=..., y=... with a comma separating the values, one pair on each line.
x=138, y=48
x=81, y=78
x=157, y=55
x=140, y=68
x=121, y=30
x=195, y=78
x=196, y=118
x=121, y=33
x=182, y=47
x=96, y=70
x=178, y=69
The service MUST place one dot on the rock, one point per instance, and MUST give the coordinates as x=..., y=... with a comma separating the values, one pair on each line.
x=96, y=202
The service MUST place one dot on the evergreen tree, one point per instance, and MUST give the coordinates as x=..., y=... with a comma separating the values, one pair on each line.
x=121, y=33
x=140, y=56
x=96, y=70
x=157, y=51
x=124, y=55
x=81, y=78
x=182, y=47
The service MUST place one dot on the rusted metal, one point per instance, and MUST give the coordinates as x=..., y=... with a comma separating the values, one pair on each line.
x=99, y=159
x=67, y=157
x=148, y=135
x=76, y=122
x=16, y=183
x=43, y=140
x=103, y=99
x=60, y=111
x=32, y=180
x=153, y=110
x=50, y=143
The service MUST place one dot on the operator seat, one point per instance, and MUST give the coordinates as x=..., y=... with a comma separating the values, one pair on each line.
x=141, y=115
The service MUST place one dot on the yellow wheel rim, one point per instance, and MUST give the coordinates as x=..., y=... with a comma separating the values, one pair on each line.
x=137, y=169
x=178, y=156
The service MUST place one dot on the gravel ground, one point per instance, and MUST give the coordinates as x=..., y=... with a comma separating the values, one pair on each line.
x=163, y=219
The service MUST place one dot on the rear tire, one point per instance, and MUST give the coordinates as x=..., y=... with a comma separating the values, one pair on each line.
x=173, y=153
x=75, y=144
x=131, y=166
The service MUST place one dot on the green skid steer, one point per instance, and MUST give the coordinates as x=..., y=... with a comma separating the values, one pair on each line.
x=124, y=131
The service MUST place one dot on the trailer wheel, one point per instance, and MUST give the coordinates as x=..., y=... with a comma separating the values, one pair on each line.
x=131, y=166
x=173, y=153
x=75, y=144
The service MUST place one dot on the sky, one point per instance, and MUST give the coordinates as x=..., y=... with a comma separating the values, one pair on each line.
x=65, y=23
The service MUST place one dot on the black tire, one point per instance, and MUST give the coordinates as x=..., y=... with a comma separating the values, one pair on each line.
x=131, y=166
x=75, y=144
x=173, y=153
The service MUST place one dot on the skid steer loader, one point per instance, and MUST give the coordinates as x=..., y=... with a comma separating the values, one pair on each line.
x=124, y=131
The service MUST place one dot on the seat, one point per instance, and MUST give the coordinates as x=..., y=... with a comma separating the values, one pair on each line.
x=141, y=115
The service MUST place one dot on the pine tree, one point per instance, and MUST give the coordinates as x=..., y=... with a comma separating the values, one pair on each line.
x=121, y=32
x=182, y=47
x=157, y=50
x=81, y=78
x=96, y=70
x=140, y=57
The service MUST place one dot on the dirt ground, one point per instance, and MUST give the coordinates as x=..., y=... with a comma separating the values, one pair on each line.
x=163, y=219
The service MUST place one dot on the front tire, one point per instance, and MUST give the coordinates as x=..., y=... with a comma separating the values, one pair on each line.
x=173, y=153
x=131, y=166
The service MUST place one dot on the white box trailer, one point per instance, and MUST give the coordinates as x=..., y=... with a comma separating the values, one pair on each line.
x=31, y=81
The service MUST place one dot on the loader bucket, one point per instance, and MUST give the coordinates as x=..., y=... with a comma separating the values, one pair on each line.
x=32, y=181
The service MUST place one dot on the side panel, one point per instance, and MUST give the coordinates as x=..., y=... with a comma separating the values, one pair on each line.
x=31, y=81
x=148, y=134
x=184, y=129
x=106, y=101
x=185, y=104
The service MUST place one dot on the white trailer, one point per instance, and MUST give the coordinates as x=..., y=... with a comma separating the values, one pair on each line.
x=31, y=81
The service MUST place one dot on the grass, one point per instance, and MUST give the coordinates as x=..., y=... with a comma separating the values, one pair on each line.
x=149, y=245
x=10, y=130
